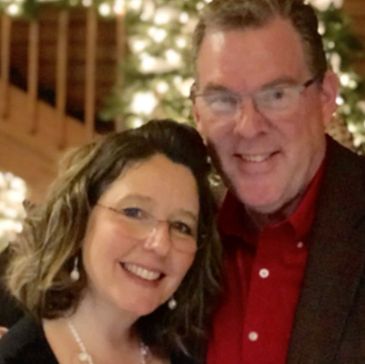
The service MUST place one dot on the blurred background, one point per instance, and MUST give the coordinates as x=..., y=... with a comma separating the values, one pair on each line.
x=72, y=70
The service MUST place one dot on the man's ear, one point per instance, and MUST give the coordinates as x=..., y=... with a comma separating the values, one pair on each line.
x=329, y=93
x=197, y=119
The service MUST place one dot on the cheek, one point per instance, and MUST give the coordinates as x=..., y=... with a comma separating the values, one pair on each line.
x=105, y=242
x=182, y=265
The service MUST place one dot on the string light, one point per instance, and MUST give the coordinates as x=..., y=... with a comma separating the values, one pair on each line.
x=144, y=103
x=12, y=194
x=157, y=34
x=105, y=9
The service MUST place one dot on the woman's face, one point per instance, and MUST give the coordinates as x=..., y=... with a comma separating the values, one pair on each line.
x=141, y=236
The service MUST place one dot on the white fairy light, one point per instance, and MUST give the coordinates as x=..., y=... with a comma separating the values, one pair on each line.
x=340, y=101
x=173, y=57
x=181, y=42
x=351, y=127
x=144, y=102
x=186, y=87
x=163, y=16
x=200, y=6
x=335, y=61
x=148, y=63
x=352, y=84
x=162, y=87
x=184, y=18
x=135, y=122
x=105, y=9
x=321, y=28
x=119, y=7
x=13, y=9
x=87, y=3
x=331, y=44
x=157, y=34
x=138, y=45
x=345, y=79
x=134, y=5
x=148, y=10
x=12, y=194
x=323, y=5
x=359, y=140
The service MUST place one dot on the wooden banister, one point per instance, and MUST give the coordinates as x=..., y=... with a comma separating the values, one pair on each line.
x=5, y=66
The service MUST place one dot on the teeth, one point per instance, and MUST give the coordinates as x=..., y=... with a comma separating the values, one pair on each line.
x=143, y=273
x=255, y=157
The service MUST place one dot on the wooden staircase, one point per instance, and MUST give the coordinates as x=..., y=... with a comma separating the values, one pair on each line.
x=54, y=75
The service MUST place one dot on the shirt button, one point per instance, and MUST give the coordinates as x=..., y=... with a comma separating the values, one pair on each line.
x=253, y=336
x=300, y=245
x=264, y=273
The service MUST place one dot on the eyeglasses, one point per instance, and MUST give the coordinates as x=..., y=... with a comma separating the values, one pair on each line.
x=273, y=102
x=140, y=224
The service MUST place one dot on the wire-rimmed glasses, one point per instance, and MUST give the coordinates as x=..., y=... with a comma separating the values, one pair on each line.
x=140, y=224
x=272, y=101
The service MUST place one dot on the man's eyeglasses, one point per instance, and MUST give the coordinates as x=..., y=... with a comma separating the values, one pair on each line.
x=274, y=101
x=140, y=224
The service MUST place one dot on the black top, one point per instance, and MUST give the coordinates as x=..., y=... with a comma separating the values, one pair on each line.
x=25, y=343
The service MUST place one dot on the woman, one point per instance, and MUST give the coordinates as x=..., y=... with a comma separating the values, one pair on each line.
x=120, y=265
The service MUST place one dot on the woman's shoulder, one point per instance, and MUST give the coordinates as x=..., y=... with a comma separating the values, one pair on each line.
x=25, y=341
x=181, y=358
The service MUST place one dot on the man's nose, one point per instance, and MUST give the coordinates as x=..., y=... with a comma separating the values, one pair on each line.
x=250, y=122
x=159, y=239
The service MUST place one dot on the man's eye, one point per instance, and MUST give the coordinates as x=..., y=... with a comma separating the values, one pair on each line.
x=181, y=228
x=278, y=94
x=221, y=100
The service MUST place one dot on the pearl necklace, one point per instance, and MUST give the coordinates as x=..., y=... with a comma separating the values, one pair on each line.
x=85, y=357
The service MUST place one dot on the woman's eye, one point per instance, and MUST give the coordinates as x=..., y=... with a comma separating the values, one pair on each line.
x=181, y=228
x=133, y=212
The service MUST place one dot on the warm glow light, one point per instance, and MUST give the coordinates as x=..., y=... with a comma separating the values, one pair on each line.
x=138, y=45
x=13, y=9
x=163, y=16
x=105, y=9
x=12, y=195
x=135, y=5
x=184, y=18
x=162, y=87
x=345, y=79
x=157, y=34
x=144, y=103
x=119, y=7
x=173, y=57
x=181, y=42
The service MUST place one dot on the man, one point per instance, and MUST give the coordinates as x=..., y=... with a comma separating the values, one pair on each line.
x=293, y=220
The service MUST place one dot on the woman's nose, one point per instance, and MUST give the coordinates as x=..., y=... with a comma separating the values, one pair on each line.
x=159, y=239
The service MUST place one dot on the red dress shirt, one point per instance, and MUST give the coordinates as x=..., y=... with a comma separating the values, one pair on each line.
x=263, y=277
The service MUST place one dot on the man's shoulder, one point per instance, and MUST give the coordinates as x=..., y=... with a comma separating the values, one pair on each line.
x=338, y=153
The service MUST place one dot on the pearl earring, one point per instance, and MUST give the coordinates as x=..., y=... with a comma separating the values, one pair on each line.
x=75, y=273
x=172, y=303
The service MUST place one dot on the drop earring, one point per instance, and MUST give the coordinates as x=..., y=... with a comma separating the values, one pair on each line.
x=75, y=273
x=172, y=303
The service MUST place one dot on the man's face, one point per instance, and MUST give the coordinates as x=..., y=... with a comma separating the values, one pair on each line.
x=267, y=157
